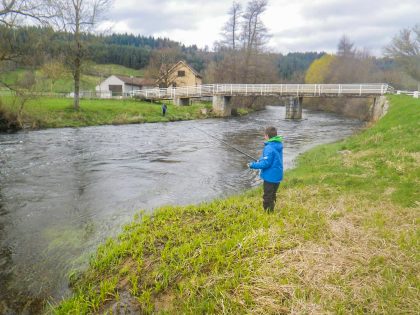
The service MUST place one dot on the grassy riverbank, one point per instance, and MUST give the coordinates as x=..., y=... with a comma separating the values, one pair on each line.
x=58, y=112
x=344, y=239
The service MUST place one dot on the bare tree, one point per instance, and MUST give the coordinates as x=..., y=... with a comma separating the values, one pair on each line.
x=254, y=35
x=241, y=53
x=79, y=17
x=229, y=44
x=405, y=49
x=14, y=51
x=351, y=65
x=345, y=47
x=231, y=29
x=254, y=32
x=12, y=10
x=160, y=65
x=11, y=14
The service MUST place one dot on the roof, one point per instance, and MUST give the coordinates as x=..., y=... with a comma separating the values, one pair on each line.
x=136, y=81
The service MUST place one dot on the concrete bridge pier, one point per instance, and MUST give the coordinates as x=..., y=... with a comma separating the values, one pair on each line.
x=182, y=101
x=222, y=105
x=294, y=108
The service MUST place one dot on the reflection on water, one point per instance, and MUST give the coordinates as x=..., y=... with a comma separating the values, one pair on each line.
x=63, y=191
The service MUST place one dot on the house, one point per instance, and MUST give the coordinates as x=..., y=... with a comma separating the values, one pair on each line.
x=118, y=85
x=180, y=74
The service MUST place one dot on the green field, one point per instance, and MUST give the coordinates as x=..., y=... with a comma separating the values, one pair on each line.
x=93, y=75
x=344, y=239
x=58, y=112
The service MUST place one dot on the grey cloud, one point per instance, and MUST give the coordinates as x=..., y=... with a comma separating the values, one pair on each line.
x=164, y=16
x=370, y=24
x=322, y=10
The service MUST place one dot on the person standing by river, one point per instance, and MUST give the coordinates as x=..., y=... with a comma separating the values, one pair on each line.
x=271, y=166
x=164, y=108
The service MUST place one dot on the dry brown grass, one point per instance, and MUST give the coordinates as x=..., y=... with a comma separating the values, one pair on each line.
x=312, y=277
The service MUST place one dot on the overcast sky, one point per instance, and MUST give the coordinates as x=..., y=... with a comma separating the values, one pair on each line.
x=304, y=25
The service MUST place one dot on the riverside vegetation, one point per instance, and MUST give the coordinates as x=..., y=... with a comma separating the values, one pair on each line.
x=58, y=112
x=344, y=238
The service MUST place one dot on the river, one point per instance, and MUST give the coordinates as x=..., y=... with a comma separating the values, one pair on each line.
x=64, y=191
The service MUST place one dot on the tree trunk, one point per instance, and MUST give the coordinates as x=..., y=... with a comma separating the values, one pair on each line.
x=77, y=82
x=78, y=59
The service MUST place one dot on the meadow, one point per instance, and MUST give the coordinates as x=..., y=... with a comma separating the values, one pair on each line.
x=93, y=75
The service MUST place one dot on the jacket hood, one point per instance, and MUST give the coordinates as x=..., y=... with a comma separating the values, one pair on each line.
x=276, y=139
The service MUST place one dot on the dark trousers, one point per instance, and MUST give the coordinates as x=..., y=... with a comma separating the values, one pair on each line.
x=269, y=197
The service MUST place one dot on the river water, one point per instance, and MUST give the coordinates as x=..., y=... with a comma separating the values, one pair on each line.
x=64, y=191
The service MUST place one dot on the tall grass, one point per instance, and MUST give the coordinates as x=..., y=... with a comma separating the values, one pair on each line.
x=343, y=239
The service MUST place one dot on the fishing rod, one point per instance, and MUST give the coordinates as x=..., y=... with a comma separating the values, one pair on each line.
x=227, y=144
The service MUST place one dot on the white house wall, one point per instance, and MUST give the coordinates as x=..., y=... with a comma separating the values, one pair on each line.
x=103, y=88
x=112, y=80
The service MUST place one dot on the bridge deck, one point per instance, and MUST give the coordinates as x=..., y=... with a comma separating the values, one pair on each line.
x=296, y=90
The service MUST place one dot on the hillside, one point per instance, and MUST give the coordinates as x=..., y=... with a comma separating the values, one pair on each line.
x=94, y=73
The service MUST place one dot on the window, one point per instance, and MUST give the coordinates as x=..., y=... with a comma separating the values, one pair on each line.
x=181, y=73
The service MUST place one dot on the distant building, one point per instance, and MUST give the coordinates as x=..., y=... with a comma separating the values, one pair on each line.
x=180, y=74
x=118, y=85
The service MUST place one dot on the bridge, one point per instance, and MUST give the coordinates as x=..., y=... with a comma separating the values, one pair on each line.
x=222, y=93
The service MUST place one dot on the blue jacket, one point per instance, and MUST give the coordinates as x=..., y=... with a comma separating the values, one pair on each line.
x=271, y=161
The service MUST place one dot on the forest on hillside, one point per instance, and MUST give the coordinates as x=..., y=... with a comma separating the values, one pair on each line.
x=129, y=50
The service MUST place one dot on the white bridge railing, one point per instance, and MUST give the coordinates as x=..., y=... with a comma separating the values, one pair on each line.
x=298, y=90
x=415, y=94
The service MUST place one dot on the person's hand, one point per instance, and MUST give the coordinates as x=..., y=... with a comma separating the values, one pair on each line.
x=249, y=164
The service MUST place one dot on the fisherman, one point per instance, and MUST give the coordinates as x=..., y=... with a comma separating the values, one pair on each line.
x=164, y=109
x=271, y=166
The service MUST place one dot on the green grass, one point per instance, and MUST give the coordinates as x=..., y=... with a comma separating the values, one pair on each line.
x=343, y=239
x=109, y=69
x=58, y=112
x=98, y=72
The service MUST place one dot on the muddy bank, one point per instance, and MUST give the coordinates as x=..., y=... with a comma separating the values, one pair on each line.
x=8, y=123
x=366, y=109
